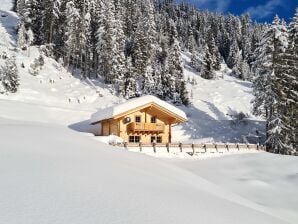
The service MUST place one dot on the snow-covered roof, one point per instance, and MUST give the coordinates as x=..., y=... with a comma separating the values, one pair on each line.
x=129, y=105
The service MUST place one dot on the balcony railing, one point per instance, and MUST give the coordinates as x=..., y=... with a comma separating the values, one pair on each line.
x=145, y=127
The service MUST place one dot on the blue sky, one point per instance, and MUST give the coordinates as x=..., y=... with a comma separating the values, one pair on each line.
x=261, y=10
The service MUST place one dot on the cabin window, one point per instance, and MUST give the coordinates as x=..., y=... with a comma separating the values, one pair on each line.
x=138, y=119
x=159, y=139
x=153, y=120
x=156, y=139
x=134, y=139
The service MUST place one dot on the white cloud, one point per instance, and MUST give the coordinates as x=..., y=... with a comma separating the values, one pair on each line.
x=263, y=11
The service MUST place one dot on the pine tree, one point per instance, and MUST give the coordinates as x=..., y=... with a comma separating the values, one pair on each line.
x=157, y=77
x=176, y=69
x=277, y=128
x=71, y=33
x=213, y=50
x=234, y=57
x=144, y=42
x=51, y=17
x=246, y=36
x=9, y=77
x=291, y=86
x=207, y=71
x=130, y=86
x=110, y=45
x=21, y=42
x=268, y=86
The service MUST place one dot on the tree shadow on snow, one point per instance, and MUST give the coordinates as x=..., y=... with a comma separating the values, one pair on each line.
x=220, y=115
x=202, y=126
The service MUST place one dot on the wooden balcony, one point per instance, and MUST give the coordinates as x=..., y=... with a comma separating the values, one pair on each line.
x=145, y=127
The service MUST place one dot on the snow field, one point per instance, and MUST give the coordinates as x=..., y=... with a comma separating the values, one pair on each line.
x=52, y=174
x=65, y=177
x=267, y=179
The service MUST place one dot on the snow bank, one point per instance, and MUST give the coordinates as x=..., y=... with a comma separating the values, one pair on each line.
x=109, y=140
x=267, y=179
x=50, y=174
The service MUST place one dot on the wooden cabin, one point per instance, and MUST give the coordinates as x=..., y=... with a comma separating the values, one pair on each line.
x=145, y=119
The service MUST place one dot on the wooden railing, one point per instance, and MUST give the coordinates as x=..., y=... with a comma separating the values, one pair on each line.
x=146, y=127
x=196, y=148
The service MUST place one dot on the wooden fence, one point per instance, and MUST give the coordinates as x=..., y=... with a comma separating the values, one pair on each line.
x=194, y=148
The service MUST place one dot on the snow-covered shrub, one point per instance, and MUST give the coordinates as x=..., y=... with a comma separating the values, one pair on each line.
x=33, y=68
x=4, y=55
x=9, y=78
x=46, y=50
x=115, y=140
x=41, y=60
x=37, y=65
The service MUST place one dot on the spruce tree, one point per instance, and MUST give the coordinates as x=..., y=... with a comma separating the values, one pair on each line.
x=291, y=86
x=10, y=77
x=207, y=71
x=71, y=33
x=144, y=40
x=268, y=85
x=22, y=42
x=176, y=69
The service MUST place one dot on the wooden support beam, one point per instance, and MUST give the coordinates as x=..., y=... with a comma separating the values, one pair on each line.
x=170, y=132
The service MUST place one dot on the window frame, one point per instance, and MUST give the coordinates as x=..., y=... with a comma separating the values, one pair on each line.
x=153, y=120
x=153, y=138
x=138, y=117
x=156, y=139
x=134, y=139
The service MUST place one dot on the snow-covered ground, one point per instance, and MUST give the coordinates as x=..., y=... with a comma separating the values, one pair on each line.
x=213, y=103
x=268, y=180
x=51, y=173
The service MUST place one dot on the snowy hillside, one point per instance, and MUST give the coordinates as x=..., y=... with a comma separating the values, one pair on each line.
x=58, y=90
x=53, y=88
x=51, y=173
x=214, y=103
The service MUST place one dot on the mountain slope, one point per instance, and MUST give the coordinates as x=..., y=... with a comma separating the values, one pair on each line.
x=52, y=174
x=55, y=87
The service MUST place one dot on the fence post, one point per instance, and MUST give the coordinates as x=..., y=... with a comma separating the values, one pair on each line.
x=205, y=147
x=180, y=146
x=168, y=147
x=193, y=149
x=125, y=145
x=154, y=147
x=227, y=146
x=237, y=146
x=140, y=145
x=258, y=147
x=215, y=145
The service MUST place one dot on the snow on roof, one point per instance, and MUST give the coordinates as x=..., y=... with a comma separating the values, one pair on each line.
x=113, y=111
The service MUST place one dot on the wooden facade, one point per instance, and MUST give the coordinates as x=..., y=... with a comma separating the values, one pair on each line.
x=146, y=124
